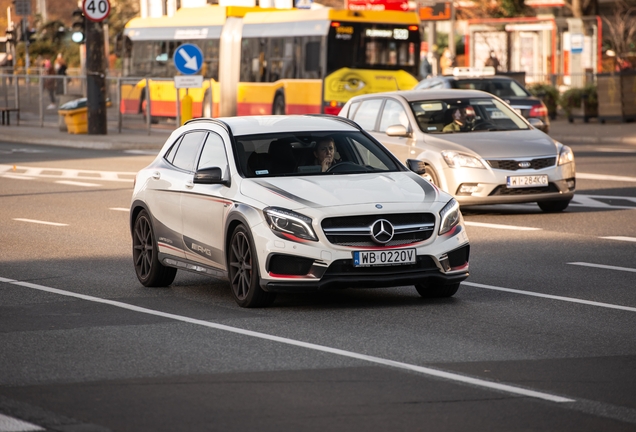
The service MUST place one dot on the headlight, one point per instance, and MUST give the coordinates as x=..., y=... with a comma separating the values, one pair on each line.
x=461, y=160
x=566, y=155
x=286, y=222
x=449, y=216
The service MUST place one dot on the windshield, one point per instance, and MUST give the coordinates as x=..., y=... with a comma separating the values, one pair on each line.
x=465, y=115
x=311, y=153
x=499, y=87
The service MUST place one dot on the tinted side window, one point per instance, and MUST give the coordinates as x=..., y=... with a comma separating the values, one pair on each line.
x=368, y=113
x=213, y=154
x=188, y=150
x=173, y=150
x=393, y=114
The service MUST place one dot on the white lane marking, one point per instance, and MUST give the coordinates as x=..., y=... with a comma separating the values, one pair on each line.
x=17, y=177
x=39, y=222
x=620, y=238
x=10, y=424
x=614, y=150
x=602, y=266
x=552, y=297
x=120, y=209
x=588, y=176
x=71, y=174
x=497, y=226
x=350, y=354
x=75, y=183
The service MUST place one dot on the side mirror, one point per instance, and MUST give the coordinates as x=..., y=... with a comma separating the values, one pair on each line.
x=417, y=166
x=398, y=131
x=212, y=175
x=536, y=122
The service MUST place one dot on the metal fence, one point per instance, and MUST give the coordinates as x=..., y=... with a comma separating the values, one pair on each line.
x=38, y=97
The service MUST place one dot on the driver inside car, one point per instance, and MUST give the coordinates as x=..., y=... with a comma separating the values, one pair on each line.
x=463, y=119
x=325, y=153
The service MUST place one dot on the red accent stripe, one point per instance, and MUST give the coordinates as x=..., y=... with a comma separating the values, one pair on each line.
x=281, y=276
x=167, y=246
x=461, y=267
x=385, y=247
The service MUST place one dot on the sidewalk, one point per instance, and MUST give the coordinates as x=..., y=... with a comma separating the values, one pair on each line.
x=593, y=132
x=138, y=139
x=129, y=139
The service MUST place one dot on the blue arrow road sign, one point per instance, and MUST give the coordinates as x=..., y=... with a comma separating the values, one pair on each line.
x=188, y=59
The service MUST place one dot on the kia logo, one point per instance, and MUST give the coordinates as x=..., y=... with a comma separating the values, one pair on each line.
x=525, y=164
x=382, y=231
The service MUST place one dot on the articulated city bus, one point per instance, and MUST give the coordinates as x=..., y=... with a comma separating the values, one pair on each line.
x=264, y=61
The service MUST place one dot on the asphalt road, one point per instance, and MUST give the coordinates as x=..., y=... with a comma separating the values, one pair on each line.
x=540, y=337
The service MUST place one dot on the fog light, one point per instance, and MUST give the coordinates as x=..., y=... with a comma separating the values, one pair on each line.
x=571, y=184
x=467, y=188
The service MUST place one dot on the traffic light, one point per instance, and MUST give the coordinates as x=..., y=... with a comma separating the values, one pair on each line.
x=12, y=35
x=25, y=34
x=79, y=26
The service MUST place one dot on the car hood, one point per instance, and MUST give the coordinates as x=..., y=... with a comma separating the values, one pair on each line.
x=342, y=189
x=496, y=144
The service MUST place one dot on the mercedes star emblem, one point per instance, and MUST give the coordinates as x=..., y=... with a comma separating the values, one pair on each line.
x=382, y=231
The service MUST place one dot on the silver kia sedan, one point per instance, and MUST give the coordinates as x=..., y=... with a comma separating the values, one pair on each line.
x=473, y=145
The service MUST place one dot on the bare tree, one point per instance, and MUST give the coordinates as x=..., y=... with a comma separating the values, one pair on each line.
x=621, y=29
x=581, y=8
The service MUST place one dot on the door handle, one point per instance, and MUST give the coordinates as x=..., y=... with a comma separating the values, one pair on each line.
x=156, y=175
x=189, y=184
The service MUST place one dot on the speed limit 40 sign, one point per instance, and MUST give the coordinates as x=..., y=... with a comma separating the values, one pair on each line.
x=96, y=10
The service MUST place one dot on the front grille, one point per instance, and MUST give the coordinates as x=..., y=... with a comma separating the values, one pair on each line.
x=504, y=190
x=344, y=267
x=513, y=165
x=355, y=231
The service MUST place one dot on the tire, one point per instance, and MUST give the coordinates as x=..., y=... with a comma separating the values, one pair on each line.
x=437, y=290
x=279, y=105
x=206, y=110
x=554, y=206
x=149, y=270
x=430, y=175
x=243, y=271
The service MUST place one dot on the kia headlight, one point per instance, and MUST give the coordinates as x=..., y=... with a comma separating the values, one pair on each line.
x=288, y=224
x=566, y=155
x=461, y=160
x=449, y=216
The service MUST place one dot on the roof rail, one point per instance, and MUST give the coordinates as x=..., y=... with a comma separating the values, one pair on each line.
x=208, y=120
x=337, y=118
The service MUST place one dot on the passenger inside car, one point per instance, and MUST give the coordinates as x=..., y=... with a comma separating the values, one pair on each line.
x=325, y=153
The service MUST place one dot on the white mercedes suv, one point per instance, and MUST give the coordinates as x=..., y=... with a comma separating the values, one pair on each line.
x=244, y=198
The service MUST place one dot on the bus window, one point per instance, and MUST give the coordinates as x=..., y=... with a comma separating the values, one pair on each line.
x=275, y=59
x=210, y=68
x=312, y=58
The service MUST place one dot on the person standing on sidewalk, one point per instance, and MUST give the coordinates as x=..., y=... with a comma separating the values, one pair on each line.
x=60, y=69
x=49, y=83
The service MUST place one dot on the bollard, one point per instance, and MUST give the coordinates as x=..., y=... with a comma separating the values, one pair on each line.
x=186, y=108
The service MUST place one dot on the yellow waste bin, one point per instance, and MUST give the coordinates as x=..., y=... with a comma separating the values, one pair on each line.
x=75, y=116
